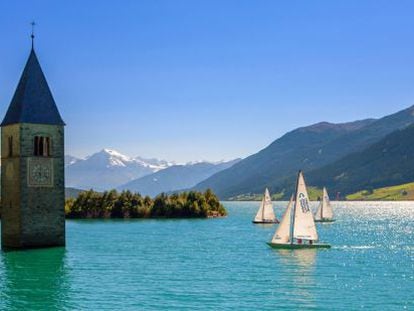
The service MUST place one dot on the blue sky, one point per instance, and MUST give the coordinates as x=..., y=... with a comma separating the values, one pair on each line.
x=189, y=80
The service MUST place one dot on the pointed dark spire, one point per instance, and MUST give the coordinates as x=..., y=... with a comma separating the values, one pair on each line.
x=32, y=102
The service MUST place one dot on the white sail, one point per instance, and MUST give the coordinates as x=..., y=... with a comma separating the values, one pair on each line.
x=282, y=234
x=304, y=225
x=265, y=212
x=327, y=212
x=268, y=207
x=325, y=209
x=318, y=214
x=259, y=215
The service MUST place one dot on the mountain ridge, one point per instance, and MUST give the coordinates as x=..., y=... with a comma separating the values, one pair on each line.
x=107, y=169
x=306, y=148
x=175, y=178
x=381, y=164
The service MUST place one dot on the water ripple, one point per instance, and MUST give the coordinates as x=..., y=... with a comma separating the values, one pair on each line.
x=219, y=264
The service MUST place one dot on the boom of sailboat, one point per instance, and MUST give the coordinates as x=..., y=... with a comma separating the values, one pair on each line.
x=297, y=228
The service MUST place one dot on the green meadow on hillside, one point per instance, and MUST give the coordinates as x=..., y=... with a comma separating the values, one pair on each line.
x=313, y=192
x=393, y=193
x=402, y=192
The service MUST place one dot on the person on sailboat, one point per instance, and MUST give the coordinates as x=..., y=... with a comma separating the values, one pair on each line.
x=297, y=223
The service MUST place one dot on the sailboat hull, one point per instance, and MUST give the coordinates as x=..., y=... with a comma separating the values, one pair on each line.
x=325, y=220
x=266, y=221
x=298, y=246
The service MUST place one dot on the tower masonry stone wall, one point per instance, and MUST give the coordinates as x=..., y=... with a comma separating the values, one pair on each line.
x=32, y=170
x=33, y=210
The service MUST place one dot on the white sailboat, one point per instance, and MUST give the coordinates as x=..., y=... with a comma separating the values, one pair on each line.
x=297, y=228
x=324, y=212
x=265, y=214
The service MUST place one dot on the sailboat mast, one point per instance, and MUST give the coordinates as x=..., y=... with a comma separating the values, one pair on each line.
x=292, y=223
x=263, y=205
x=323, y=202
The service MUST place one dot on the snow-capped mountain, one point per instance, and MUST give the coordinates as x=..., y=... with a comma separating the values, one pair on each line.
x=113, y=158
x=176, y=177
x=155, y=164
x=69, y=160
x=108, y=169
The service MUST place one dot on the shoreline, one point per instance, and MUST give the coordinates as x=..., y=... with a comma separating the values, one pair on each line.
x=274, y=201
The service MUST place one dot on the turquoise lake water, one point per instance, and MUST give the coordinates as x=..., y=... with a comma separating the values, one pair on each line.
x=219, y=264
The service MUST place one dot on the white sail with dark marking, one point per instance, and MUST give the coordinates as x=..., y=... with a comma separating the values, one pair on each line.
x=303, y=223
x=297, y=229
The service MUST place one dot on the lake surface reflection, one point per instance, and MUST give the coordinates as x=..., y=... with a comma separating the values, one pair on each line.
x=219, y=264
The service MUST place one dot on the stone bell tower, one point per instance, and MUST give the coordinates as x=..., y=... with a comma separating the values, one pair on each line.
x=32, y=165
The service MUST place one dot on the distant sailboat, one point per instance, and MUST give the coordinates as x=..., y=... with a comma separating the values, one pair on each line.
x=265, y=214
x=324, y=212
x=297, y=228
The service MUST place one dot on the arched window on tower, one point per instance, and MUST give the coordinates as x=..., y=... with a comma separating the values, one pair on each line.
x=42, y=146
x=10, y=141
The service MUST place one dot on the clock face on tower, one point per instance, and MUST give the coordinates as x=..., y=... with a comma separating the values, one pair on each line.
x=40, y=172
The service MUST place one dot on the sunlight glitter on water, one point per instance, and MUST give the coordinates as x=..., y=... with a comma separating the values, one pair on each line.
x=220, y=264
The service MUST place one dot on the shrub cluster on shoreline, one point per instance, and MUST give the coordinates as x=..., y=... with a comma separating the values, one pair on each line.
x=113, y=204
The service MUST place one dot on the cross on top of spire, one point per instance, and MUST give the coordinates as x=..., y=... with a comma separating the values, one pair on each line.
x=32, y=35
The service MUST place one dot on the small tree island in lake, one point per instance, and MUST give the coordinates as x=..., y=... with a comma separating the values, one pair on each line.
x=112, y=204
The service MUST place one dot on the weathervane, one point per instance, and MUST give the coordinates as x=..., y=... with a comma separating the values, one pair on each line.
x=32, y=35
